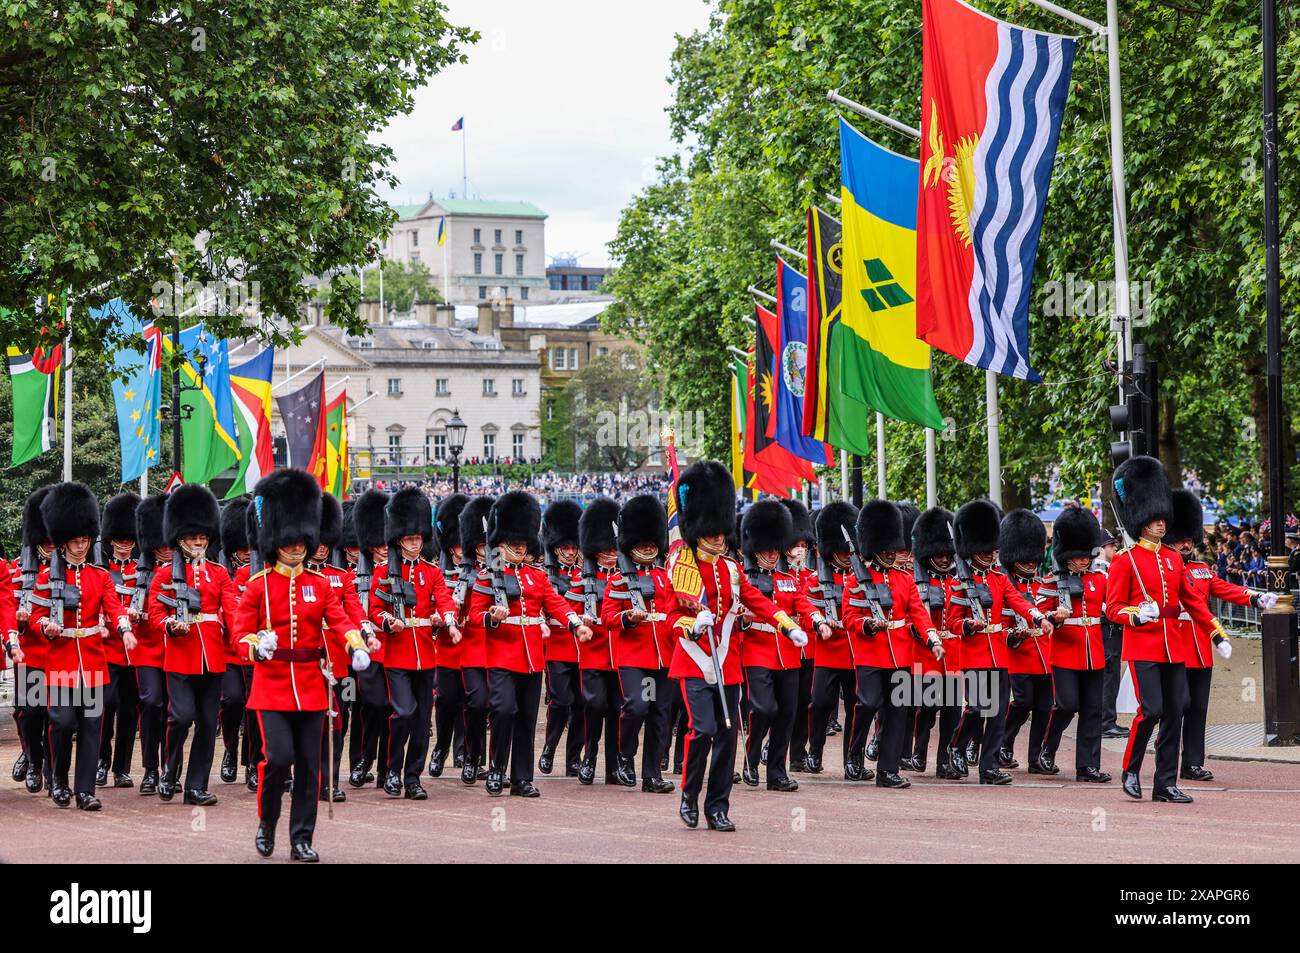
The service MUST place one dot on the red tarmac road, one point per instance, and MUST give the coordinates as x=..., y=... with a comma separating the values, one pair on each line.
x=1249, y=814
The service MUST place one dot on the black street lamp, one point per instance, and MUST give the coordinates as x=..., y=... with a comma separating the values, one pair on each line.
x=456, y=429
x=1277, y=625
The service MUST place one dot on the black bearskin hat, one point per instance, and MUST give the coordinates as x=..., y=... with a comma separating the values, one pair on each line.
x=34, y=531
x=117, y=520
x=1142, y=493
x=1075, y=534
x=409, y=513
x=1188, y=518
x=368, y=519
x=879, y=529
x=706, y=501
x=766, y=525
x=191, y=509
x=429, y=548
x=70, y=510
x=643, y=520
x=149, y=523
x=976, y=527
x=471, y=522
x=596, y=527
x=930, y=534
x=1022, y=538
x=801, y=520
x=909, y=513
x=514, y=518
x=348, y=530
x=234, y=526
x=331, y=521
x=287, y=506
x=446, y=520
x=831, y=519
x=560, y=524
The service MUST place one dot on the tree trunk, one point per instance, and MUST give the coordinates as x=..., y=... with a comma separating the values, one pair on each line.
x=1167, y=442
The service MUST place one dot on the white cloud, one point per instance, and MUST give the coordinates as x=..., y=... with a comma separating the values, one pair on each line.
x=564, y=107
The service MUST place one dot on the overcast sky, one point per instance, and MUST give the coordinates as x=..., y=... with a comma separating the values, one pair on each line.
x=564, y=107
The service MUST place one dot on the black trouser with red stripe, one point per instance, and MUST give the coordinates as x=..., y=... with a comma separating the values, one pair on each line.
x=75, y=714
x=236, y=684
x=1161, y=689
x=947, y=715
x=514, y=698
x=647, y=698
x=192, y=701
x=802, y=712
x=371, y=725
x=410, y=697
x=30, y=685
x=877, y=694
x=121, y=714
x=709, y=742
x=1031, y=696
x=1078, y=691
x=985, y=714
x=564, y=709
x=290, y=739
x=773, y=693
x=152, y=682
x=448, y=708
x=601, y=697
x=1198, y=707
x=829, y=686
x=475, y=681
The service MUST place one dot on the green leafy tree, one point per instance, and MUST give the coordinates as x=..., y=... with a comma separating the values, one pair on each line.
x=608, y=408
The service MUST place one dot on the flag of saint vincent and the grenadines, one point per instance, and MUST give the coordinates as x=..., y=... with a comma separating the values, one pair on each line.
x=992, y=98
x=250, y=383
x=882, y=362
x=786, y=425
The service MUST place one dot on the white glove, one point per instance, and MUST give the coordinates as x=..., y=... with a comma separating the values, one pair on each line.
x=702, y=621
x=266, y=645
x=1265, y=600
x=1224, y=647
x=798, y=636
x=1148, y=612
x=360, y=660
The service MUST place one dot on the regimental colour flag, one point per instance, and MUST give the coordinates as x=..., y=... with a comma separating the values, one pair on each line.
x=992, y=98
x=137, y=389
x=250, y=384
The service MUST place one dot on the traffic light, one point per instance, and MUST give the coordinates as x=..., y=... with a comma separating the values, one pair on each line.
x=1135, y=419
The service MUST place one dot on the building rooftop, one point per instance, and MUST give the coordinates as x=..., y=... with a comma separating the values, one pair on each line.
x=421, y=344
x=578, y=314
x=471, y=207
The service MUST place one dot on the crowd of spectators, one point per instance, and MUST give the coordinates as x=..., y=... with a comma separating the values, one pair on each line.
x=547, y=486
x=1239, y=553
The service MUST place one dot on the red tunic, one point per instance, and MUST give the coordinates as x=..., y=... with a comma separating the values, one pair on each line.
x=1198, y=640
x=343, y=585
x=986, y=649
x=516, y=643
x=414, y=647
x=596, y=654
x=562, y=646
x=648, y=644
x=8, y=606
x=1033, y=655
x=203, y=648
x=1152, y=571
x=123, y=575
x=1077, y=642
x=923, y=660
x=33, y=644
x=808, y=585
x=300, y=606
x=80, y=662
x=473, y=636
x=835, y=652
x=765, y=646
x=234, y=653
x=893, y=647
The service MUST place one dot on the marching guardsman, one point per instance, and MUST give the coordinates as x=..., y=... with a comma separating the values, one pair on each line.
x=904, y=561
x=372, y=682
x=883, y=615
x=1022, y=541
x=1186, y=532
x=449, y=690
x=975, y=606
x=343, y=585
x=237, y=681
x=281, y=626
x=833, y=676
x=563, y=681
x=193, y=602
x=601, y=693
x=410, y=601
x=122, y=698
x=29, y=648
x=473, y=643
x=641, y=610
x=712, y=588
x=771, y=659
x=512, y=600
x=1143, y=590
x=150, y=644
x=1074, y=595
x=940, y=685
x=79, y=595
x=798, y=557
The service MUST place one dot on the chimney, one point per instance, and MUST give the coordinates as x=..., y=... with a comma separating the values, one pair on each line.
x=425, y=312
x=487, y=319
x=369, y=312
x=505, y=308
x=444, y=315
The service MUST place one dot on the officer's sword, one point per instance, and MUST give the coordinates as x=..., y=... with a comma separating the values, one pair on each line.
x=331, y=714
x=1128, y=551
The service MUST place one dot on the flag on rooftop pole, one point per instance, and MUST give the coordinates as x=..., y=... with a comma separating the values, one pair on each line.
x=992, y=99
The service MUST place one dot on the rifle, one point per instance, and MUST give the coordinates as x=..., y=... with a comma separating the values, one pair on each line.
x=401, y=593
x=185, y=598
x=931, y=595
x=877, y=594
x=760, y=580
x=365, y=569
x=978, y=592
x=832, y=591
x=1068, y=586
x=144, y=573
x=590, y=597
x=63, y=595
x=504, y=588
x=640, y=588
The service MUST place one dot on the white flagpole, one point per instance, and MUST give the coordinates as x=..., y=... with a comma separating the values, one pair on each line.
x=870, y=113
x=1124, y=329
x=931, y=475
x=844, y=474
x=67, y=397
x=881, y=490
x=144, y=483
x=312, y=366
x=995, y=447
x=446, y=274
